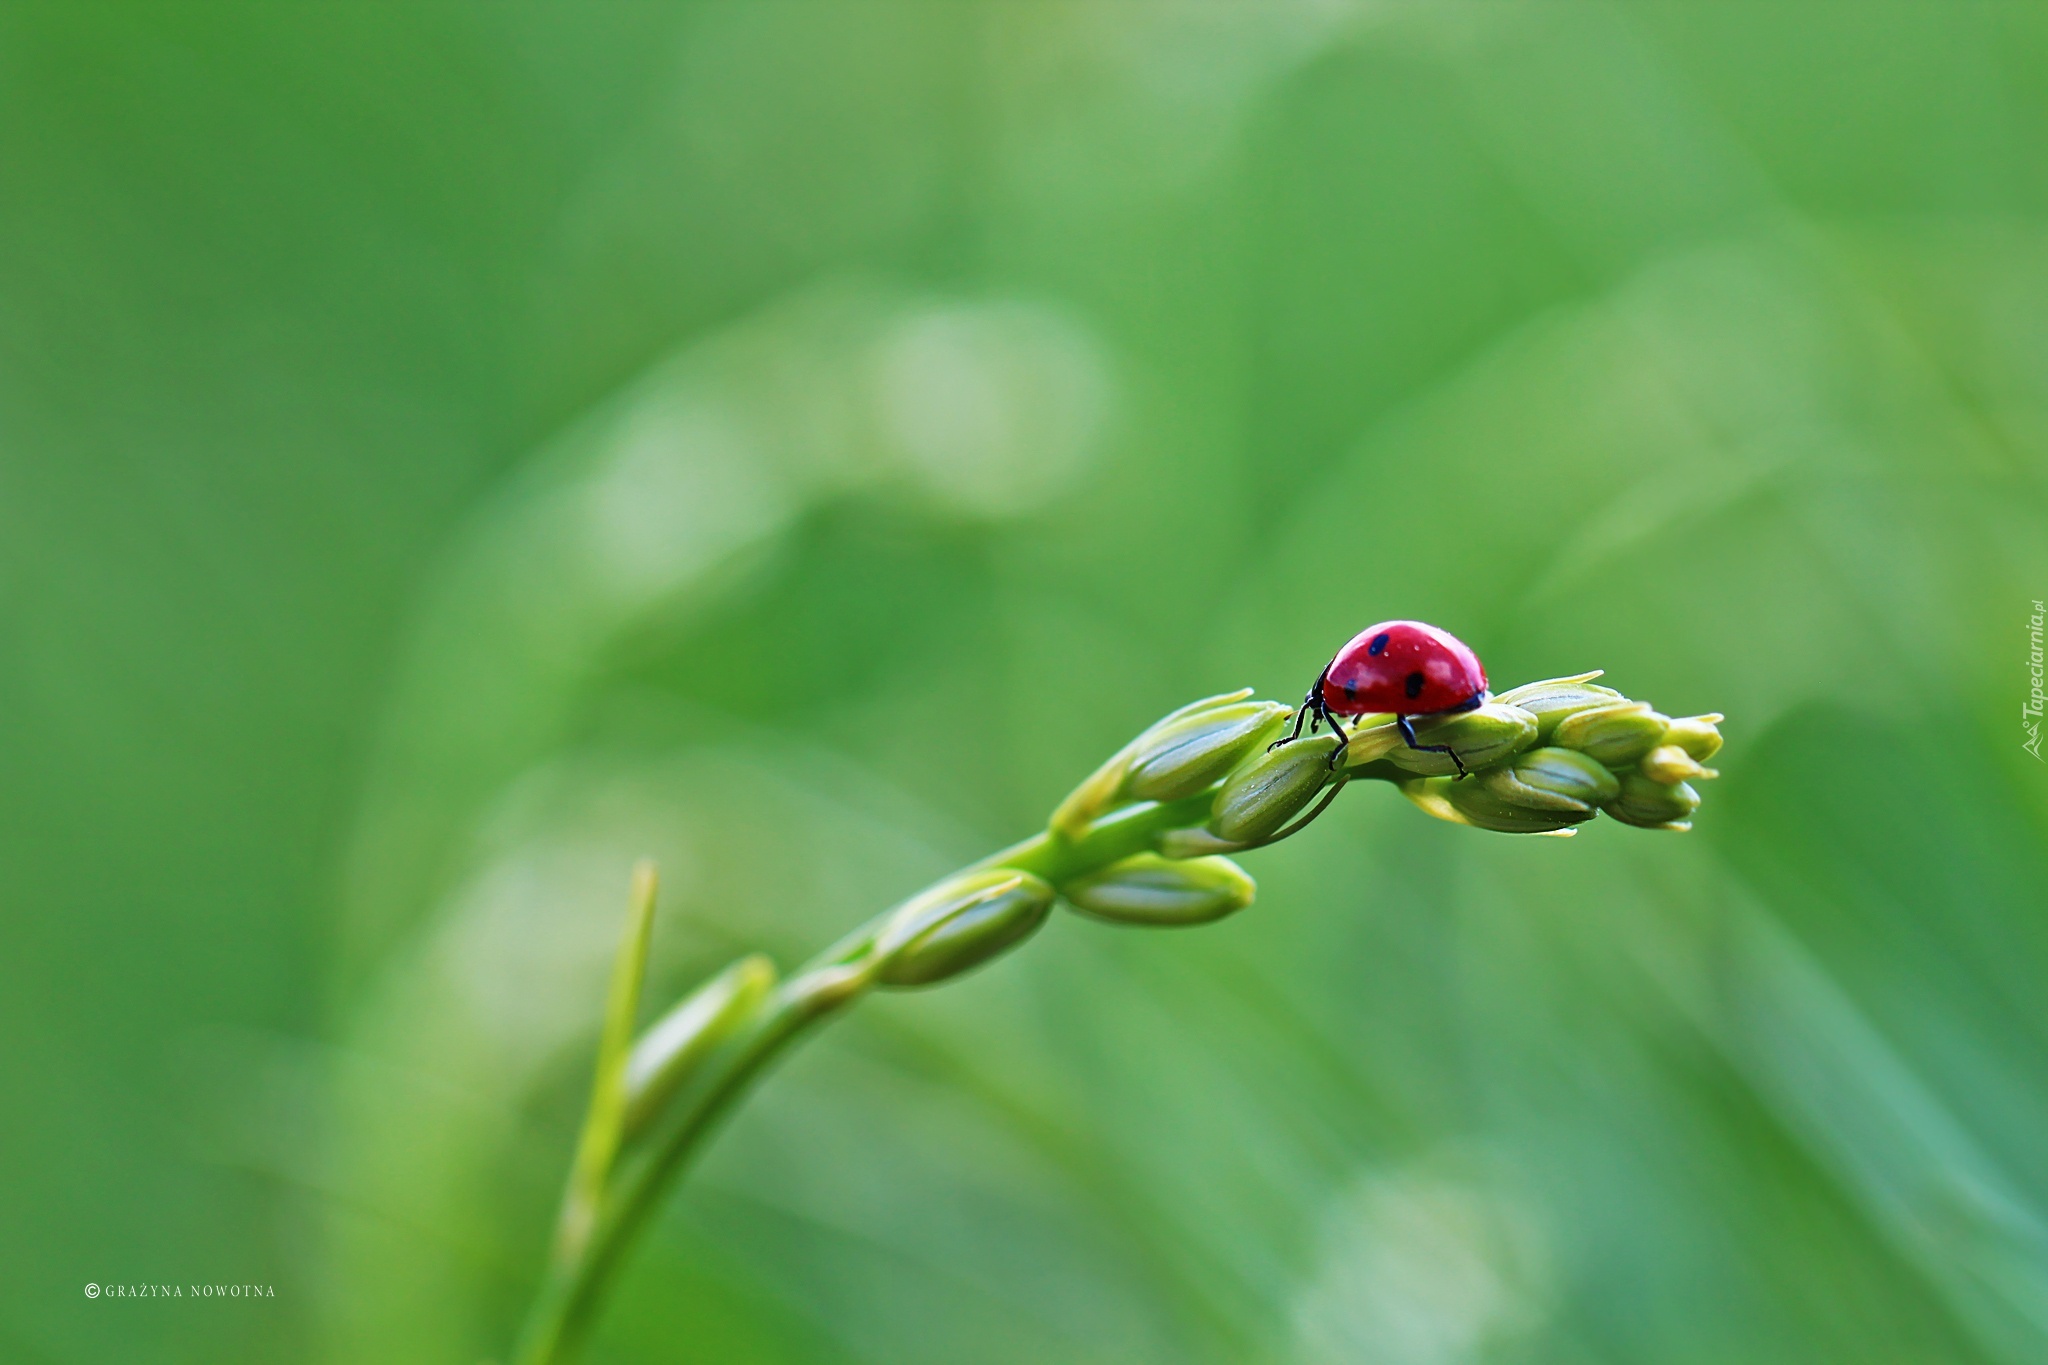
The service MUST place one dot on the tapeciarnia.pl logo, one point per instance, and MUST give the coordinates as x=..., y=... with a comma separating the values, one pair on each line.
x=2030, y=712
x=181, y=1291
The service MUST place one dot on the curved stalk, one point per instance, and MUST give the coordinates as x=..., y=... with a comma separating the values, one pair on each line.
x=1200, y=782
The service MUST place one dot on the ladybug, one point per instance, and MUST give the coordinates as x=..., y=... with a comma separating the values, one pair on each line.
x=1404, y=667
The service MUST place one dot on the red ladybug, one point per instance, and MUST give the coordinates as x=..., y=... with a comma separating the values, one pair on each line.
x=1404, y=667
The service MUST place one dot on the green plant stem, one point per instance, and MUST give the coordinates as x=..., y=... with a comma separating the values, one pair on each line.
x=1592, y=739
x=563, y=1309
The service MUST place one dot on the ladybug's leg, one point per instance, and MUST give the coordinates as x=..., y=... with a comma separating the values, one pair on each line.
x=1343, y=740
x=1311, y=705
x=1300, y=713
x=1408, y=733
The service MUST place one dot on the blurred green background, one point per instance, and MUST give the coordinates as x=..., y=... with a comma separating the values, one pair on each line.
x=449, y=451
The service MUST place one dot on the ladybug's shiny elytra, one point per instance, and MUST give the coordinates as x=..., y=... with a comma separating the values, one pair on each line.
x=1403, y=668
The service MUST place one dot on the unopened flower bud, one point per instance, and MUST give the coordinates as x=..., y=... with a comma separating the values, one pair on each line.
x=1699, y=736
x=1483, y=805
x=1482, y=737
x=1192, y=843
x=1669, y=763
x=1553, y=699
x=1151, y=890
x=959, y=925
x=1373, y=737
x=1471, y=803
x=1266, y=790
x=1615, y=735
x=678, y=1043
x=1552, y=779
x=1649, y=804
x=1102, y=787
x=818, y=991
x=1183, y=755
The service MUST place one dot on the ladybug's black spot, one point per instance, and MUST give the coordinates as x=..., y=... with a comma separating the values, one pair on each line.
x=1414, y=685
x=1378, y=645
x=1351, y=690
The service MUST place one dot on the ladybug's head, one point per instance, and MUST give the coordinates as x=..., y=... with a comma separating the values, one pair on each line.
x=1407, y=668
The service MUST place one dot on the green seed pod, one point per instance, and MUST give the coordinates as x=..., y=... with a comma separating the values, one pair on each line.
x=1553, y=699
x=1482, y=805
x=1468, y=803
x=960, y=924
x=1543, y=777
x=1697, y=735
x=1266, y=790
x=1161, y=892
x=1071, y=818
x=1482, y=737
x=821, y=990
x=1669, y=763
x=1428, y=794
x=1653, y=805
x=681, y=1039
x=1192, y=843
x=1101, y=789
x=1185, y=755
x=1615, y=735
x=1373, y=737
